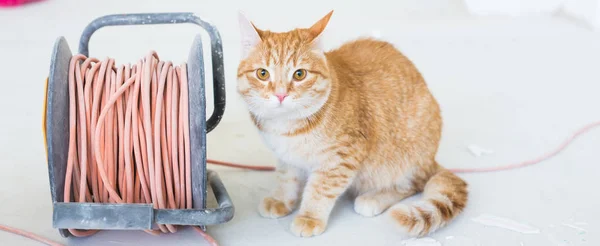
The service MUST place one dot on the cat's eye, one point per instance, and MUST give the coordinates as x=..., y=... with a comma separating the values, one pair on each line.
x=262, y=74
x=299, y=74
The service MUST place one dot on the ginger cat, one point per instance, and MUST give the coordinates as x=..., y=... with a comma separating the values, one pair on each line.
x=358, y=118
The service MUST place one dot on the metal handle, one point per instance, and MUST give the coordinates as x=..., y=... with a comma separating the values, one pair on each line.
x=171, y=18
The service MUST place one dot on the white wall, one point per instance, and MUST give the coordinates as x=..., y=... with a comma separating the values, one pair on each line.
x=512, y=7
x=583, y=11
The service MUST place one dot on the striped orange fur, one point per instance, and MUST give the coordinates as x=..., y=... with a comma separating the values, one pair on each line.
x=360, y=118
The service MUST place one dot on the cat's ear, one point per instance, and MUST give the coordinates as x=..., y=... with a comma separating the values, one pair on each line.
x=250, y=35
x=316, y=30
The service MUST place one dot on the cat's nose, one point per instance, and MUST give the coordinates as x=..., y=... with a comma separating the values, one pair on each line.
x=281, y=96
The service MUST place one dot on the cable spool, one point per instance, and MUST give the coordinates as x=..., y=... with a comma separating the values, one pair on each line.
x=96, y=179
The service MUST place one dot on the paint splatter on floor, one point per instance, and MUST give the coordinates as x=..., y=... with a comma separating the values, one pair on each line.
x=461, y=241
x=575, y=227
x=478, y=151
x=424, y=241
x=491, y=220
x=554, y=240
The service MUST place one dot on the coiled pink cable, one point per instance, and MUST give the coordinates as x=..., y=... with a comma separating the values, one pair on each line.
x=115, y=121
x=129, y=136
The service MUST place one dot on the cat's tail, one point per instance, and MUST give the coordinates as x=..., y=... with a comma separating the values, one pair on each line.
x=445, y=195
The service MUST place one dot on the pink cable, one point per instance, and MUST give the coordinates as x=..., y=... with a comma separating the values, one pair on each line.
x=15, y=3
x=533, y=161
x=206, y=236
x=29, y=235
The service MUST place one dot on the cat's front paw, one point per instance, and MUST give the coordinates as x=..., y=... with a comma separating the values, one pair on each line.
x=273, y=208
x=304, y=226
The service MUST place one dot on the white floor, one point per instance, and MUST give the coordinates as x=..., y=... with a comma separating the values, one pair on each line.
x=516, y=86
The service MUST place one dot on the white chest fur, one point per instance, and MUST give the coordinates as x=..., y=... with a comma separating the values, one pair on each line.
x=303, y=151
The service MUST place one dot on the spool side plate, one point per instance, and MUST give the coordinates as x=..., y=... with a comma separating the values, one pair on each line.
x=57, y=120
x=197, y=121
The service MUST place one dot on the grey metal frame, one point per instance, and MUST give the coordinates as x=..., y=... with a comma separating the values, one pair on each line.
x=138, y=216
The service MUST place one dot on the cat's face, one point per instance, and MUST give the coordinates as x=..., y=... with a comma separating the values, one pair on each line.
x=283, y=75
